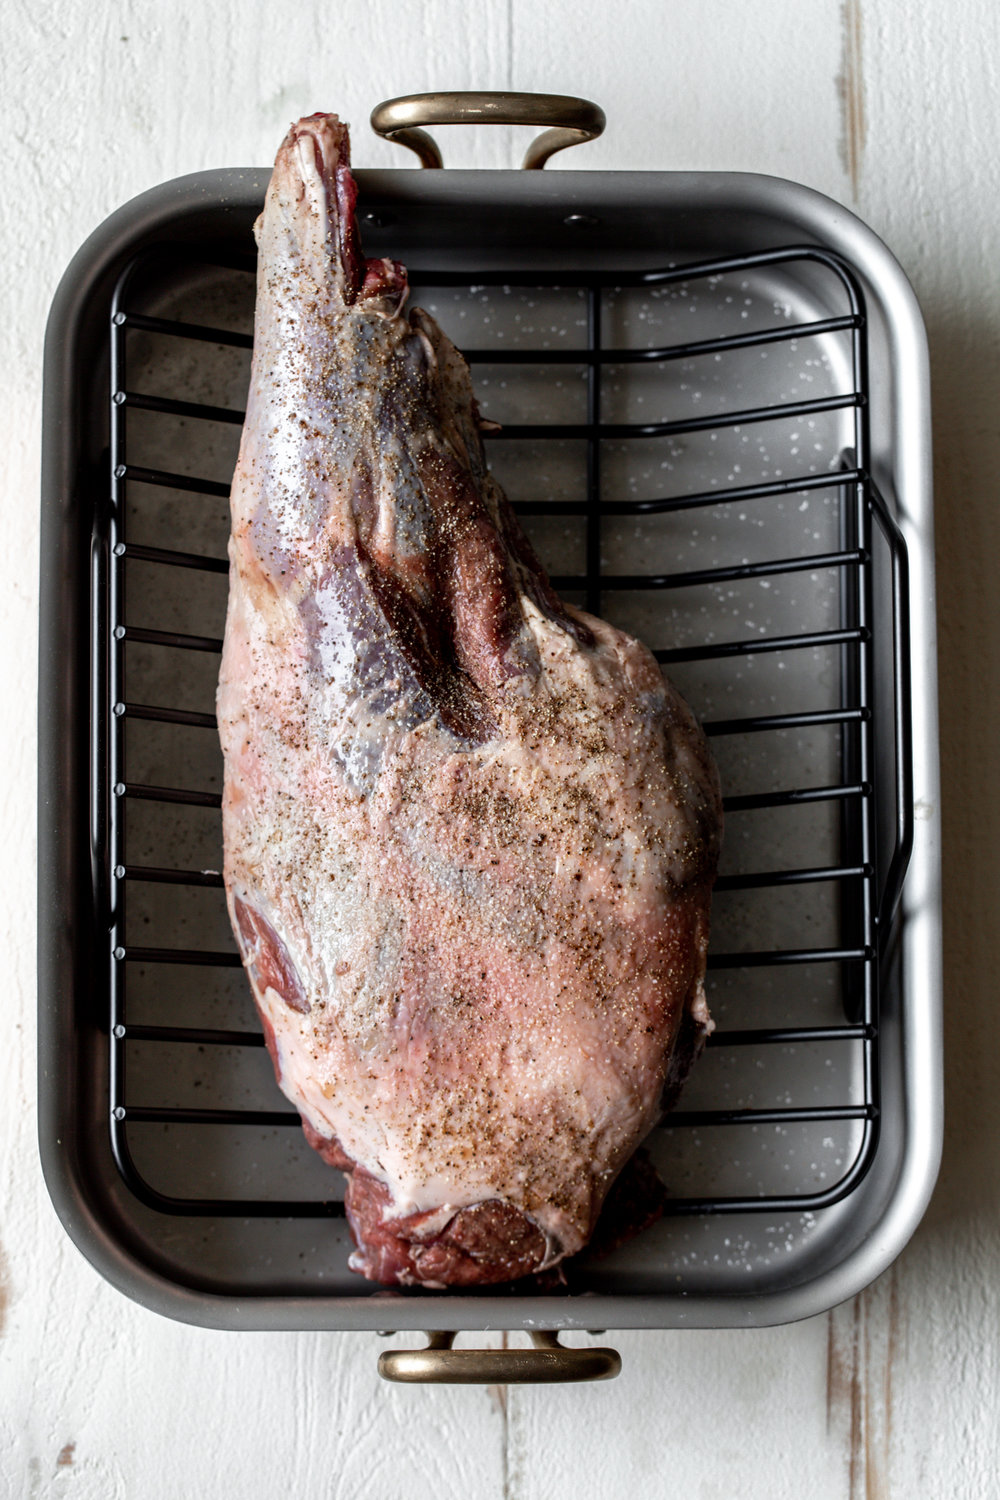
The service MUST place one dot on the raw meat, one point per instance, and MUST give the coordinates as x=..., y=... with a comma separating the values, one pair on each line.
x=470, y=832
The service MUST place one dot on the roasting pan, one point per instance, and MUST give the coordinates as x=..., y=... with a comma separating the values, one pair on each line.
x=714, y=398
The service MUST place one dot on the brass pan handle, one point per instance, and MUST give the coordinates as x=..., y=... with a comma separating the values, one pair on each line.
x=570, y=121
x=547, y=1362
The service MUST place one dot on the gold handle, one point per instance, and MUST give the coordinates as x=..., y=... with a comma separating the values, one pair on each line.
x=571, y=121
x=548, y=1361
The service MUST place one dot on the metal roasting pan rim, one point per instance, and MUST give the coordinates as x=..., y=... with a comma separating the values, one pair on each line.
x=761, y=212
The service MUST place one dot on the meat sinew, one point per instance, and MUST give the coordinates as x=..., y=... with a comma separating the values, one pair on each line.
x=470, y=832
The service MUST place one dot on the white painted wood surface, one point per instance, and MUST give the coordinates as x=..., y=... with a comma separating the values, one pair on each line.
x=887, y=105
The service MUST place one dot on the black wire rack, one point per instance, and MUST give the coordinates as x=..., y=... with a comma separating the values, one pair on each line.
x=866, y=881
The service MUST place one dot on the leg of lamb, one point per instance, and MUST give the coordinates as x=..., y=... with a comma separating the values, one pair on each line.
x=470, y=831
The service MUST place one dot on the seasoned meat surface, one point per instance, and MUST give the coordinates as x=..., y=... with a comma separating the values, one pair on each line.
x=470, y=832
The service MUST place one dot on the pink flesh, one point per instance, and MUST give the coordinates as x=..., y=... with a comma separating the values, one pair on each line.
x=470, y=833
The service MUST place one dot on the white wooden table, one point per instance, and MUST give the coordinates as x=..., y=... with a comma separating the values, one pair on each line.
x=887, y=105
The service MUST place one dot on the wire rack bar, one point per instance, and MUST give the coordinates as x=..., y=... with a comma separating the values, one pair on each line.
x=151, y=1114
x=748, y=1037
x=753, y=647
x=767, y=722
x=163, y=715
x=206, y=958
x=755, y=801
x=751, y=881
x=791, y=877
x=197, y=410
x=669, y=504
x=168, y=638
x=189, y=797
x=201, y=1036
x=711, y=422
x=172, y=481
x=739, y=572
x=782, y=956
x=156, y=875
x=786, y=333
x=180, y=330
x=174, y=559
